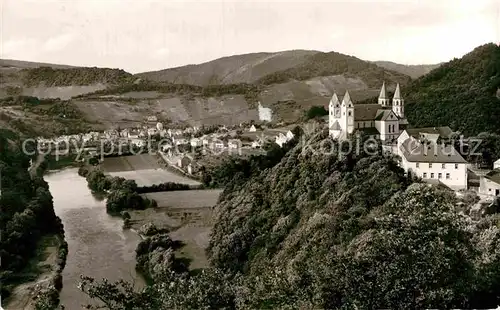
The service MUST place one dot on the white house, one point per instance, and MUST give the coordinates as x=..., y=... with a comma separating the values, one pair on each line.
x=265, y=114
x=233, y=144
x=381, y=120
x=256, y=145
x=252, y=128
x=138, y=142
x=195, y=142
x=433, y=162
x=496, y=165
x=490, y=183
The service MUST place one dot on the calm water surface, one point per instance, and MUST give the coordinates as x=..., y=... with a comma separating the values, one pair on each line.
x=98, y=246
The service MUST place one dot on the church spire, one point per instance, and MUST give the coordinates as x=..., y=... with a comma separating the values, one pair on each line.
x=347, y=97
x=383, y=94
x=382, y=98
x=334, y=99
x=397, y=93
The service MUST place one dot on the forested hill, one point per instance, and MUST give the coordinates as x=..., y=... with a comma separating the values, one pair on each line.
x=326, y=231
x=463, y=93
x=321, y=230
x=26, y=213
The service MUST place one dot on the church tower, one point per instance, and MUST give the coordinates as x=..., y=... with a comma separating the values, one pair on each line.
x=398, y=103
x=347, y=114
x=383, y=100
x=333, y=110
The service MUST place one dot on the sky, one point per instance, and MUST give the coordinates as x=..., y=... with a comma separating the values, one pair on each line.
x=145, y=35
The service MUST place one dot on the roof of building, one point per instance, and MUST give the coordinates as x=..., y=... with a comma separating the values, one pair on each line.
x=366, y=112
x=415, y=151
x=347, y=98
x=335, y=98
x=385, y=114
x=444, y=132
x=494, y=176
x=335, y=126
x=369, y=130
x=397, y=93
x=383, y=94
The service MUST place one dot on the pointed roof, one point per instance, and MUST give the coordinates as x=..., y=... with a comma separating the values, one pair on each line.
x=334, y=99
x=397, y=93
x=347, y=97
x=336, y=126
x=383, y=94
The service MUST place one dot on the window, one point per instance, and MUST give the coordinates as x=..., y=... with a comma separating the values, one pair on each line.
x=418, y=165
x=430, y=165
x=440, y=175
x=456, y=166
x=447, y=176
x=432, y=175
x=443, y=166
x=425, y=175
x=350, y=113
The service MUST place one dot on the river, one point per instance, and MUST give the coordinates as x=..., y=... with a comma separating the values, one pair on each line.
x=98, y=246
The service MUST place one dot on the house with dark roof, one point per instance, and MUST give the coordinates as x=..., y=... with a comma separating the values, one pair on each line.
x=490, y=183
x=381, y=120
x=431, y=160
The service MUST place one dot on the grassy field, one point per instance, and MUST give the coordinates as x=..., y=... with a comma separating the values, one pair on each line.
x=144, y=169
x=188, y=216
x=130, y=163
x=150, y=177
x=186, y=199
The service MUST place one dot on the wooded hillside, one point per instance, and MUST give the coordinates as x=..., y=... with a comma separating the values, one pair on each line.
x=462, y=94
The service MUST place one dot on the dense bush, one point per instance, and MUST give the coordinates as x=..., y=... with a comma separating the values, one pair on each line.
x=26, y=215
x=122, y=194
x=163, y=187
x=49, y=76
x=316, y=111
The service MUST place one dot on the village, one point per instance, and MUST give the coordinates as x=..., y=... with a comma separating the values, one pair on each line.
x=182, y=149
x=428, y=153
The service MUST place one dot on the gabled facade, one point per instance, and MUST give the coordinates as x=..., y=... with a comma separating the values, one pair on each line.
x=432, y=161
x=381, y=120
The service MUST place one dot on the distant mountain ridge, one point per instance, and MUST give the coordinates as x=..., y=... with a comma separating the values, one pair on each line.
x=245, y=68
x=273, y=68
x=413, y=71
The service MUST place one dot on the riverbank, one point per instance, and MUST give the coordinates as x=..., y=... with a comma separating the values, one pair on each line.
x=45, y=271
x=41, y=281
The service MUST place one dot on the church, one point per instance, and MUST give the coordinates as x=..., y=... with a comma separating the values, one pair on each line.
x=383, y=120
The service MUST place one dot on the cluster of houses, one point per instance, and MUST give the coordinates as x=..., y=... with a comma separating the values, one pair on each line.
x=425, y=152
